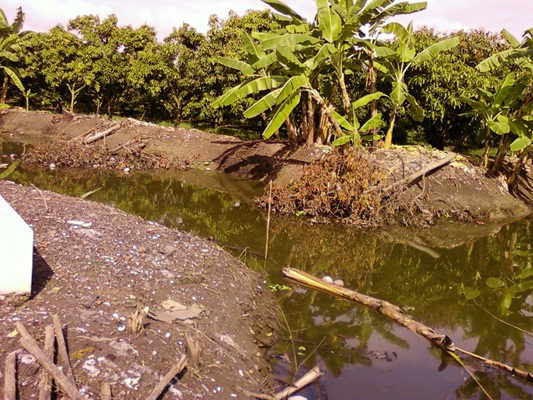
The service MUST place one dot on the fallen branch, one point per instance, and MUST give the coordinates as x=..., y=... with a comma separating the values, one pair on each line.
x=10, y=380
x=94, y=135
x=175, y=370
x=40, y=194
x=45, y=380
x=29, y=343
x=62, y=354
x=395, y=313
x=408, y=179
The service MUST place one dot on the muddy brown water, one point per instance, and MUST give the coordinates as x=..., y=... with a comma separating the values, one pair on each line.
x=464, y=286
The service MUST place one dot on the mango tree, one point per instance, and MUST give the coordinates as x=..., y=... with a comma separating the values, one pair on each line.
x=437, y=84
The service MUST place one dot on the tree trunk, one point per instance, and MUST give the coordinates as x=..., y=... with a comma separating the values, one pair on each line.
x=488, y=145
x=502, y=151
x=5, y=82
x=291, y=131
x=513, y=178
x=310, y=120
x=388, y=137
x=372, y=78
x=346, y=103
x=326, y=110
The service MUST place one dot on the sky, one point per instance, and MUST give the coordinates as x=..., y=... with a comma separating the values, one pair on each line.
x=444, y=15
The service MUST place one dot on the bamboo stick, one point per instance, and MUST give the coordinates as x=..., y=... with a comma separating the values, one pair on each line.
x=175, y=370
x=29, y=343
x=311, y=376
x=62, y=353
x=397, y=315
x=10, y=379
x=45, y=380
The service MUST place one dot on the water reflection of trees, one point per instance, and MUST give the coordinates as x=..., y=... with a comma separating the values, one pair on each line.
x=430, y=288
x=166, y=200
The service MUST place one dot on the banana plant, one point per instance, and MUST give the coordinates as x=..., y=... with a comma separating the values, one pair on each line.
x=395, y=61
x=304, y=64
x=508, y=111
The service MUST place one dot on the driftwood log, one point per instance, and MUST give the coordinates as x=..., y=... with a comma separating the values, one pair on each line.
x=396, y=314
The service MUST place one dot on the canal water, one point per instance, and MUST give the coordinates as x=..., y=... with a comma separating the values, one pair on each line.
x=473, y=282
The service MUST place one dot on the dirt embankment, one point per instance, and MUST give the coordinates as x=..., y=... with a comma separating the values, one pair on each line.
x=458, y=190
x=95, y=266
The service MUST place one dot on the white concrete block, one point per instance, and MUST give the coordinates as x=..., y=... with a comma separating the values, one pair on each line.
x=16, y=251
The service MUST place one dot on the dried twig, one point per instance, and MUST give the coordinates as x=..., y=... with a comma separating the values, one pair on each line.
x=502, y=321
x=10, y=380
x=175, y=370
x=311, y=376
x=40, y=194
x=268, y=220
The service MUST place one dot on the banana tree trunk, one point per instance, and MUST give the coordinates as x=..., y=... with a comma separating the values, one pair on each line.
x=291, y=131
x=372, y=78
x=513, y=178
x=5, y=82
x=505, y=142
x=310, y=120
x=346, y=103
x=392, y=121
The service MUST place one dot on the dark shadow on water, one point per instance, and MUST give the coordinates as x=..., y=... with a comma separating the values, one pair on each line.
x=42, y=273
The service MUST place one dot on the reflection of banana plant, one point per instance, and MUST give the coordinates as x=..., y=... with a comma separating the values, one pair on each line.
x=521, y=284
x=12, y=167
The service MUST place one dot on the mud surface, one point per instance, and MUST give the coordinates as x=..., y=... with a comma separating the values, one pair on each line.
x=95, y=266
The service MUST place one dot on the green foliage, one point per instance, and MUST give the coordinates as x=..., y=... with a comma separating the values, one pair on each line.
x=438, y=83
x=311, y=59
x=397, y=60
x=508, y=111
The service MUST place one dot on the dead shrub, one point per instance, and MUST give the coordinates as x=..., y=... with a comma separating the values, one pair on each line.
x=345, y=185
